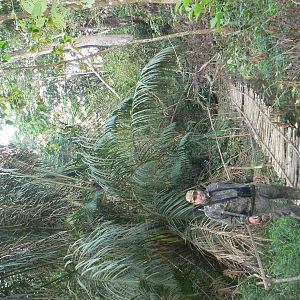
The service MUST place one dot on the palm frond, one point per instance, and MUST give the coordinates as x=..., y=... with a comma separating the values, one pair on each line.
x=171, y=205
x=105, y=270
x=231, y=246
x=149, y=107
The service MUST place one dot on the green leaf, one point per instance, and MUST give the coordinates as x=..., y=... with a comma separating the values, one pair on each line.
x=58, y=15
x=66, y=38
x=178, y=6
x=40, y=22
x=37, y=11
x=213, y=22
x=27, y=5
x=6, y=57
x=3, y=45
x=34, y=7
x=55, y=147
x=186, y=3
x=33, y=28
x=219, y=17
x=197, y=8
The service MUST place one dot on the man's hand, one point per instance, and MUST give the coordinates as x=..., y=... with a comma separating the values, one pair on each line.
x=256, y=178
x=255, y=220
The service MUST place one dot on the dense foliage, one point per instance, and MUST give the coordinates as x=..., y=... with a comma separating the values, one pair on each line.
x=138, y=166
x=92, y=189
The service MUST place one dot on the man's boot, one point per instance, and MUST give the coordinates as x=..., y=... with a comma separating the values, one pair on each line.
x=294, y=211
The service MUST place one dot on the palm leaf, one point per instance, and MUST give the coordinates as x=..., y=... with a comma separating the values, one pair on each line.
x=150, y=98
x=112, y=263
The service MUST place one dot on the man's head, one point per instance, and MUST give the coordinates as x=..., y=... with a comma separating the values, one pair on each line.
x=195, y=197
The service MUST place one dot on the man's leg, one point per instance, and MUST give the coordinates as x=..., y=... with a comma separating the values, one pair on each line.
x=287, y=210
x=273, y=191
x=265, y=206
x=292, y=210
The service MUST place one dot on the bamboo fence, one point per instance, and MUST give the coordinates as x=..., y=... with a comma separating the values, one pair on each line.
x=279, y=143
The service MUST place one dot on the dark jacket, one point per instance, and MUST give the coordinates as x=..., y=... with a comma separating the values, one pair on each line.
x=229, y=202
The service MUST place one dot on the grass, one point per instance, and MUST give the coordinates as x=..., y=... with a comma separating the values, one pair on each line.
x=281, y=260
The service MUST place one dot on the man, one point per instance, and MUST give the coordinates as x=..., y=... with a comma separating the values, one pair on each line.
x=234, y=203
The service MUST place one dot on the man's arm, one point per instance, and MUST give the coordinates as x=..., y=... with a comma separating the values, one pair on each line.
x=226, y=218
x=245, y=179
x=232, y=219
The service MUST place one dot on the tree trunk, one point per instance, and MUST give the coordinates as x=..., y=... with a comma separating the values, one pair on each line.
x=95, y=40
x=97, y=4
x=131, y=43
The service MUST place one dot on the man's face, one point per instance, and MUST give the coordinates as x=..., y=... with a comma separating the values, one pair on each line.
x=198, y=197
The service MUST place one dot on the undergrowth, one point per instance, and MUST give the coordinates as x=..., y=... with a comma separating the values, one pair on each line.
x=254, y=50
x=280, y=260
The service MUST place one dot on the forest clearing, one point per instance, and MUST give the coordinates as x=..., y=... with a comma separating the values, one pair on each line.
x=114, y=113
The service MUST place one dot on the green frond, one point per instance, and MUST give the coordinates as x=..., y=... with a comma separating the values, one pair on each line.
x=112, y=263
x=120, y=117
x=168, y=137
x=149, y=101
x=171, y=205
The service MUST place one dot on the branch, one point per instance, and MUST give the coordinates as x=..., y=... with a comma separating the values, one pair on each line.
x=261, y=269
x=217, y=142
x=94, y=40
x=281, y=280
x=90, y=65
x=131, y=43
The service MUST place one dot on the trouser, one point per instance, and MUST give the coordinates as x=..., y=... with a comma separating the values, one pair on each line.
x=265, y=193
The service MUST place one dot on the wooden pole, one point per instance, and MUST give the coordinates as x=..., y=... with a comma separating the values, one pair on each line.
x=261, y=269
x=281, y=280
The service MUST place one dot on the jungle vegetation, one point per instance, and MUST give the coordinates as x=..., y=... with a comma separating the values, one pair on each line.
x=112, y=104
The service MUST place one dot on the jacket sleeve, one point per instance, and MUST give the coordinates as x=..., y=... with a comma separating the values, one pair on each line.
x=217, y=214
x=243, y=179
